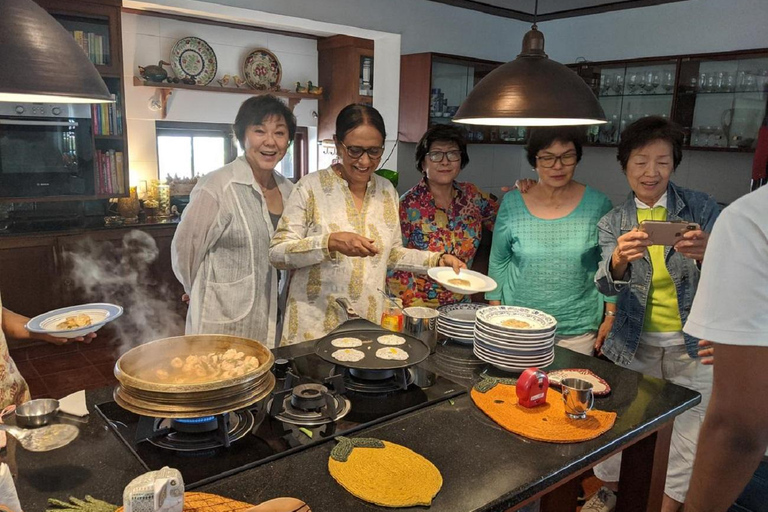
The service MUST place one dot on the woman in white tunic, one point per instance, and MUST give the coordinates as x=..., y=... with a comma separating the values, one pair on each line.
x=219, y=251
x=341, y=232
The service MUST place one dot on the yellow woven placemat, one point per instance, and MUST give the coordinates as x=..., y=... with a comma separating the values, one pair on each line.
x=546, y=422
x=384, y=473
x=204, y=502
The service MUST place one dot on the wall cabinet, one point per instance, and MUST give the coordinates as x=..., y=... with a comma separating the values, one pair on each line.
x=36, y=275
x=432, y=86
x=345, y=70
x=718, y=99
x=96, y=26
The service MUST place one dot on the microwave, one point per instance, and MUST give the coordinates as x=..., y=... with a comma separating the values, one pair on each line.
x=46, y=150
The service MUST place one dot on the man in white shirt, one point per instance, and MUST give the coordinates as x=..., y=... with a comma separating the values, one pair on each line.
x=731, y=309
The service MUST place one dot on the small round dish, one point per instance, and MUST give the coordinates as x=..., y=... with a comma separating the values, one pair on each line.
x=36, y=413
x=262, y=70
x=50, y=322
x=465, y=282
x=192, y=57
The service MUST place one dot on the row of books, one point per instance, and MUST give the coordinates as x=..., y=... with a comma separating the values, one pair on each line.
x=95, y=46
x=110, y=173
x=107, y=117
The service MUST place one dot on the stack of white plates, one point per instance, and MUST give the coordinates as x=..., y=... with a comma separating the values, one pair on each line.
x=457, y=321
x=514, y=338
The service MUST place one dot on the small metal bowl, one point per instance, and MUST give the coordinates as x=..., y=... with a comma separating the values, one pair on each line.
x=36, y=413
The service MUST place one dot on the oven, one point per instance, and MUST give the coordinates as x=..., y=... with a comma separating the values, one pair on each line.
x=46, y=150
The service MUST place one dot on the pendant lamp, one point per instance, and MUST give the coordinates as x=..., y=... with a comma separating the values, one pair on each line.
x=40, y=62
x=532, y=90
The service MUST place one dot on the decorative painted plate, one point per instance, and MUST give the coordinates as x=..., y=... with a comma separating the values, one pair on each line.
x=74, y=321
x=262, y=70
x=193, y=57
x=600, y=387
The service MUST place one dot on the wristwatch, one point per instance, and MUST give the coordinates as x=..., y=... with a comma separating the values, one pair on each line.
x=610, y=313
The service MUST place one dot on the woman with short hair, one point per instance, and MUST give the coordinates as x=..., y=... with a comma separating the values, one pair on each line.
x=219, y=251
x=341, y=233
x=441, y=214
x=545, y=248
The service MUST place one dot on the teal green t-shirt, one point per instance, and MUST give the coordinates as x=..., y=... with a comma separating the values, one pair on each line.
x=550, y=265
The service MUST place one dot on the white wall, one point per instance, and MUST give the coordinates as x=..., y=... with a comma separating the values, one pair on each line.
x=147, y=39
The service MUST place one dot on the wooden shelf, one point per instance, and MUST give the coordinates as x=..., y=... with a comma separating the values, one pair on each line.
x=166, y=90
x=108, y=137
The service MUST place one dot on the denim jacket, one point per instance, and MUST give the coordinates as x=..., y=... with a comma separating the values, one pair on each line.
x=632, y=290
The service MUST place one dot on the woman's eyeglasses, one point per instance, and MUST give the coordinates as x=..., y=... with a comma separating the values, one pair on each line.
x=548, y=161
x=437, y=156
x=357, y=151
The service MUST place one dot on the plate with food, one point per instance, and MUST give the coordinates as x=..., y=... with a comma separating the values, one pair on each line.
x=516, y=319
x=465, y=282
x=74, y=321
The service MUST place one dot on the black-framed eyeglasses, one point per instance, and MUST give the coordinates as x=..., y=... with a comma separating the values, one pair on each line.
x=374, y=152
x=437, y=156
x=548, y=161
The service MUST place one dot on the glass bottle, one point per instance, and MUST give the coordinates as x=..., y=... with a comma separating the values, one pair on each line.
x=392, y=317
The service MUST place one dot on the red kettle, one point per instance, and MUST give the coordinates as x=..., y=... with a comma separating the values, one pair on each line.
x=532, y=388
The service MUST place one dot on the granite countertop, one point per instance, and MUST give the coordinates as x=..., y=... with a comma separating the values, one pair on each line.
x=484, y=467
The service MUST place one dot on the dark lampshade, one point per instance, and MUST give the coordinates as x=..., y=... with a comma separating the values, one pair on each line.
x=532, y=90
x=41, y=62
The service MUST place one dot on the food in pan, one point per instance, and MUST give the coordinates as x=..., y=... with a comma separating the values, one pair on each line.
x=392, y=353
x=199, y=368
x=348, y=355
x=516, y=324
x=391, y=339
x=347, y=342
x=464, y=283
x=74, y=322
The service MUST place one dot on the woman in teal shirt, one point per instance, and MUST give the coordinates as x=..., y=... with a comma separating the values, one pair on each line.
x=545, y=249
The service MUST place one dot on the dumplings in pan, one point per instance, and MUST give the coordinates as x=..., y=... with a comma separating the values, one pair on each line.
x=74, y=322
x=199, y=368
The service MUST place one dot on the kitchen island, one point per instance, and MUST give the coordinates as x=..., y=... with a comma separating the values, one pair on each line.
x=483, y=466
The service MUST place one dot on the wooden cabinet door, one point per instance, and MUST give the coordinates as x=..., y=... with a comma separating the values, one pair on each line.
x=29, y=282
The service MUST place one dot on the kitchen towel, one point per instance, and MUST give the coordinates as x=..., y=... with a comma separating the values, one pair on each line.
x=74, y=404
x=548, y=422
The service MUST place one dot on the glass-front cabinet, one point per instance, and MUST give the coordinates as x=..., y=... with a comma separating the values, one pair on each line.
x=719, y=100
x=432, y=86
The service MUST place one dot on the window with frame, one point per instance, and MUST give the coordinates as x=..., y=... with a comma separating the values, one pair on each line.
x=186, y=150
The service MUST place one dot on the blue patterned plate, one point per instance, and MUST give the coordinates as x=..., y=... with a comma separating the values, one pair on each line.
x=52, y=322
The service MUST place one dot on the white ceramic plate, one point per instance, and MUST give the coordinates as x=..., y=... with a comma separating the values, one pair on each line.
x=496, y=316
x=477, y=282
x=496, y=332
x=460, y=313
x=511, y=365
x=515, y=347
x=100, y=314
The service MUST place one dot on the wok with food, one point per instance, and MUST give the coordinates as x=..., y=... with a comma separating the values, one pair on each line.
x=196, y=374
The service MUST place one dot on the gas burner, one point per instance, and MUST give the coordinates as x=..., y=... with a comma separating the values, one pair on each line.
x=308, y=405
x=375, y=381
x=197, y=434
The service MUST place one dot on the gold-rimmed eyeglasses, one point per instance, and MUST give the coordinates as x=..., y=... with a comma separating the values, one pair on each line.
x=356, y=152
x=548, y=161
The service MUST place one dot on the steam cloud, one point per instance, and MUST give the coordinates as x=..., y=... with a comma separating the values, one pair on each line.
x=122, y=275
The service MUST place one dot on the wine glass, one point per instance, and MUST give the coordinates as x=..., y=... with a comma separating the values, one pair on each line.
x=719, y=81
x=632, y=82
x=606, y=82
x=618, y=83
x=668, y=81
x=656, y=81
x=703, y=78
x=648, y=82
x=730, y=82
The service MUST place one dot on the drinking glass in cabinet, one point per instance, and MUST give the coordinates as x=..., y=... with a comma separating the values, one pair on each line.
x=668, y=81
x=606, y=82
x=632, y=82
x=648, y=82
x=618, y=83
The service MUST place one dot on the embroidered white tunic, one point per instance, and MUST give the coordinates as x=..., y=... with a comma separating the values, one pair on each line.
x=219, y=253
x=322, y=204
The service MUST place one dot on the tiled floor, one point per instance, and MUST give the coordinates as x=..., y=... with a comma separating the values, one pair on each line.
x=56, y=371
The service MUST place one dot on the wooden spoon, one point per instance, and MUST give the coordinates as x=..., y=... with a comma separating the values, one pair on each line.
x=281, y=505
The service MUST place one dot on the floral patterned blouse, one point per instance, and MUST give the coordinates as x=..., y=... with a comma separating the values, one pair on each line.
x=321, y=204
x=427, y=227
x=13, y=387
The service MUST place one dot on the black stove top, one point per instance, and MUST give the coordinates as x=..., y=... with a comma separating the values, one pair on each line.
x=308, y=391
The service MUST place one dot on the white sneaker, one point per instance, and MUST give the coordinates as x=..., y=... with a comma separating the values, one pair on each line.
x=604, y=500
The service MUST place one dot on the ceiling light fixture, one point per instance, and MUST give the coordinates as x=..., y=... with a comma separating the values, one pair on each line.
x=532, y=90
x=41, y=62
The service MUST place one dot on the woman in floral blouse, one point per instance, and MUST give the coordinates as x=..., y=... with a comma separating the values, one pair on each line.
x=441, y=214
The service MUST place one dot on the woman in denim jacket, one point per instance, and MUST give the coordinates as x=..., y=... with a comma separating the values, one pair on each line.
x=655, y=285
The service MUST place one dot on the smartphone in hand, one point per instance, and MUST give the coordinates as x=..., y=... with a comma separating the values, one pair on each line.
x=662, y=232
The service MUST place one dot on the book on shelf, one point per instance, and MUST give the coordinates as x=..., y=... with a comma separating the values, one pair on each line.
x=94, y=45
x=110, y=172
x=107, y=118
